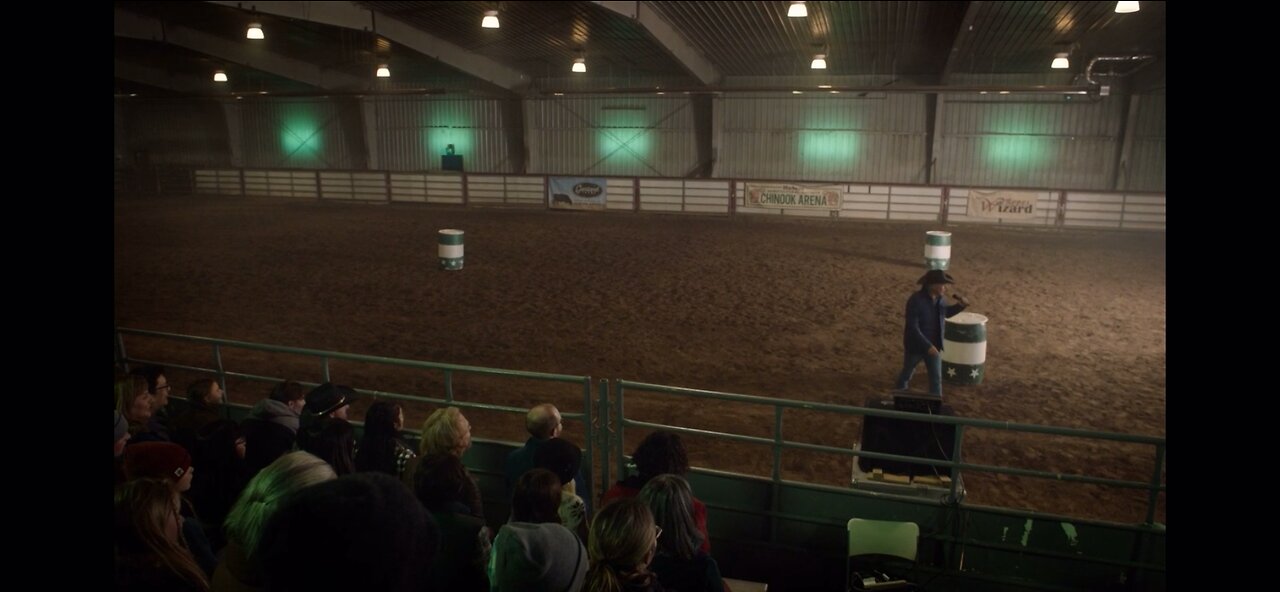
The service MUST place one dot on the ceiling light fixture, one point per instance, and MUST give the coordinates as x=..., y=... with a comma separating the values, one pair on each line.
x=255, y=31
x=819, y=62
x=219, y=76
x=1060, y=61
x=384, y=71
x=579, y=64
x=1126, y=7
x=490, y=19
x=797, y=10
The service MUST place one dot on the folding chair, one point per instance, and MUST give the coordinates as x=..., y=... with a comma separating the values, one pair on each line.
x=873, y=544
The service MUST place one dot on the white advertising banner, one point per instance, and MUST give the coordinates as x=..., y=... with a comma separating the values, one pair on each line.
x=813, y=197
x=1002, y=203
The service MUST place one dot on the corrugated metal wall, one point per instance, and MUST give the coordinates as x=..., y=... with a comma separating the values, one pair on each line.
x=1147, y=159
x=1029, y=141
x=643, y=136
x=187, y=132
x=302, y=133
x=878, y=138
x=413, y=132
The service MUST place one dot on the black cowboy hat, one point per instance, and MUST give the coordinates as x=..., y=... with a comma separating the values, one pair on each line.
x=936, y=276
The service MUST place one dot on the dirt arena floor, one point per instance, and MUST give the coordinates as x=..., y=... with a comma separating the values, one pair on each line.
x=799, y=309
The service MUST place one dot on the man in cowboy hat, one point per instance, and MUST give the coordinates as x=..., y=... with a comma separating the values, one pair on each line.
x=927, y=311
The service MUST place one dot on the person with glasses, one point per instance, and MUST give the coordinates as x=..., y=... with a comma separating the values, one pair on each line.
x=679, y=563
x=158, y=387
x=623, y=542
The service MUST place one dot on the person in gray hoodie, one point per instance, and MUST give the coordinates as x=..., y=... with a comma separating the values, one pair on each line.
x=534, y=552
x=272, y=426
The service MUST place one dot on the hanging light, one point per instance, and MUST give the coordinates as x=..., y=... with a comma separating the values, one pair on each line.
x=490, y=19
x=1060, y=61
x=255, y=31
x=1126, y=7
x=383, y=71
x=219, y=76
x=580, y=64
x=819, y=62
x=797, y=10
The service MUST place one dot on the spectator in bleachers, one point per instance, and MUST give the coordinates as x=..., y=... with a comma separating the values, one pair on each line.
x=159, y=388
x=381, y=448
x=679, y=563
x=134, y=402
x=122, y=432
x=204, y=398
x=660, y=453
x=168, y=461
x=219, y=454
x=362, y=532
x=150, y=554
x=239, y=569
x=543, y=423
x=446, y=431
x=333, y=440
x=325, y=404
x=624, y=539
x=122, y=438
x=444, y=488
x=534, y=551
x=564, y=458
x=272, y=426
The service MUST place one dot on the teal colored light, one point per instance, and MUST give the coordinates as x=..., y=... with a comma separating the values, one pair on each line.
x=828, y=145
x=445, y=126
x=823, y=140
x=624, y=128
x=301, y=140
x=1015, y=150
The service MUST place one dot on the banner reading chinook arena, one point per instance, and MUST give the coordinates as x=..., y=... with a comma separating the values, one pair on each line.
x=1002, y=204
x=577, y=193
x=814, y=197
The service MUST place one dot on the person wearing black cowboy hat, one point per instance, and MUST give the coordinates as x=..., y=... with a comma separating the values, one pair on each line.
x=927, y=311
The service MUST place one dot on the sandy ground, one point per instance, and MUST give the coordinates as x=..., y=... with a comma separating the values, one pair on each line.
x=804, y=310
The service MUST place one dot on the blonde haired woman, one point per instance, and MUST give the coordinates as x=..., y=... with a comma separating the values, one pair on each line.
x=446, y=431
x=623, y=542
x=239, y=569
x=149, y=551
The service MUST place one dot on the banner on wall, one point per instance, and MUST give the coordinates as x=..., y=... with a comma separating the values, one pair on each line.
x=813, y=197
x=577, y=193
x=1002, y=204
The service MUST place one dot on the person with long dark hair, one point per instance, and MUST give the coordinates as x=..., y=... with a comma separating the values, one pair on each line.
x=381, y=449
x=679, y=563
x=660, y=453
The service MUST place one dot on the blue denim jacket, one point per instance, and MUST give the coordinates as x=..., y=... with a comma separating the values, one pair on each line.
x=925, y=321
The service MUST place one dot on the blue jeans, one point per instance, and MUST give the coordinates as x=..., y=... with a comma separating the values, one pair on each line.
x=932, y=363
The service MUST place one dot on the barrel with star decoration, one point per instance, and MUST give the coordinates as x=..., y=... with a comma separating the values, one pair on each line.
x=450, y=249
x=964, y=348
x=937, y=249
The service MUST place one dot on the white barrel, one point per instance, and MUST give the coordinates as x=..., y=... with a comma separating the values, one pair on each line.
x=964, y=348
x=937, y=249
x=450, y=249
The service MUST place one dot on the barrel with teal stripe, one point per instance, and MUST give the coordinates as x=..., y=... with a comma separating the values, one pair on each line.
x=937, y=249
x=450, y=249
x=964, y=348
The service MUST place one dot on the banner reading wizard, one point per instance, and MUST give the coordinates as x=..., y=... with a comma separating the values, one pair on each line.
x=816, y=197
x=1002, y=204
x=577, y=193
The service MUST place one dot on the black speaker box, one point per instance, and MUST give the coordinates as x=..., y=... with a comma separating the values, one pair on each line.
x=906, y=437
